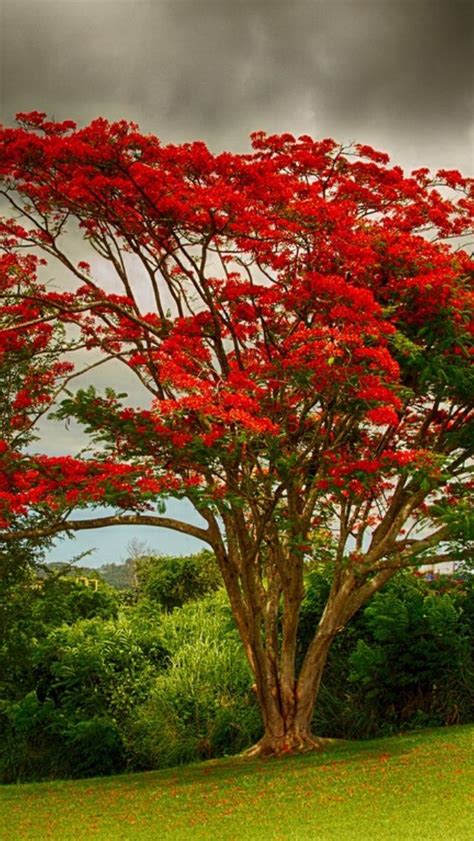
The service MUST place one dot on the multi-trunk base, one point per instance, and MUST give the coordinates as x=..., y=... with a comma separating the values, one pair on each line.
x=290, y=743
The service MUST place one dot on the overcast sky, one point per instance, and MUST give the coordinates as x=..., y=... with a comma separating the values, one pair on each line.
x=397, y=74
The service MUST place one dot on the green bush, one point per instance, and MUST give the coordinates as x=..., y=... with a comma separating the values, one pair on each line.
x=415, y=666
x=30, y=748
x=63, y=600
x=93, y=667
x=147, y=689
x=39, y=742
x=202, y=706
x=27, y=615
x=173, y=581
x=87, y=678
x=94, y=747
x=404, y=661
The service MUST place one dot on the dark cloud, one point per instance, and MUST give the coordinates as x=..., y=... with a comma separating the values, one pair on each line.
x=218, y=69
x=408, y=65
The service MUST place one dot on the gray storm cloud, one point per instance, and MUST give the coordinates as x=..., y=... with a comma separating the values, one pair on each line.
x=374, y=70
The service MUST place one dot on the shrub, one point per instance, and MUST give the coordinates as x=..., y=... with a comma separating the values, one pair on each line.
x=94, y=746
x=404, y=661
x=30, y=748
x=87, y=680
x=63, y=600
x=95, y=667
x=202, y=706
x=415, y=665
x=149, y=689
x=173, y=581
x=38, y=742
x=29, y=613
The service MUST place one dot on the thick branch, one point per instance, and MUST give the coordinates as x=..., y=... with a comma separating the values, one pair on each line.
x=102, y=522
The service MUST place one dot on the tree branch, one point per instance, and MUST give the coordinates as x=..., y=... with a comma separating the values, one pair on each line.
x=102, y=522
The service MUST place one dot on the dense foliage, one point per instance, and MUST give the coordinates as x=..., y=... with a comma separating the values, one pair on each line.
x=172, y=581
x=406, y=660
x=91, y=687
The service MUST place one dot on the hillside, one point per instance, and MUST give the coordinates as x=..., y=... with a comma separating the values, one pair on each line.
x=415, y=787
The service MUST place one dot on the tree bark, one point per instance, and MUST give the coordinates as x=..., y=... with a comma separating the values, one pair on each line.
x=287, y=721
x=287, y=712
x=296, y=739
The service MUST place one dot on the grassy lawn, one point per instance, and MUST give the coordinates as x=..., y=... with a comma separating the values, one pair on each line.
x=416, y=787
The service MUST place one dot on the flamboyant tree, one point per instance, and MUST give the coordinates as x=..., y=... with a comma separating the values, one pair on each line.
x=302, y=329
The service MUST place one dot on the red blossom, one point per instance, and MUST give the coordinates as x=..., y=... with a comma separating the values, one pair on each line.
x=298, y=326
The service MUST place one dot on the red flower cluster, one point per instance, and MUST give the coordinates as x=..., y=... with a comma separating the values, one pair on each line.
x=297, y=324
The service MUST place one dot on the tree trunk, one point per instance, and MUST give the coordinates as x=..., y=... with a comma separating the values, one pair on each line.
x=287, y=715
x=286, y=732
x=287, y=721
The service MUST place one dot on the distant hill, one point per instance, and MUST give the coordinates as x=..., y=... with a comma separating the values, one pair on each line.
x=120, y=576
x=67, y=569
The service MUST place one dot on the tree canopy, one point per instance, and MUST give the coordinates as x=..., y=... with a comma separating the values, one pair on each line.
x=300, y=319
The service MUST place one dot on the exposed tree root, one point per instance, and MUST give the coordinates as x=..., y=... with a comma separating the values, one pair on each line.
x=290, y=743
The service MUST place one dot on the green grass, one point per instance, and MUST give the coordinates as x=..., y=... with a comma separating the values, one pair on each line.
x=416, y=787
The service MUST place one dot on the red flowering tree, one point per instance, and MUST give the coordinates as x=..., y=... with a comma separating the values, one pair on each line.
x=302, y=329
